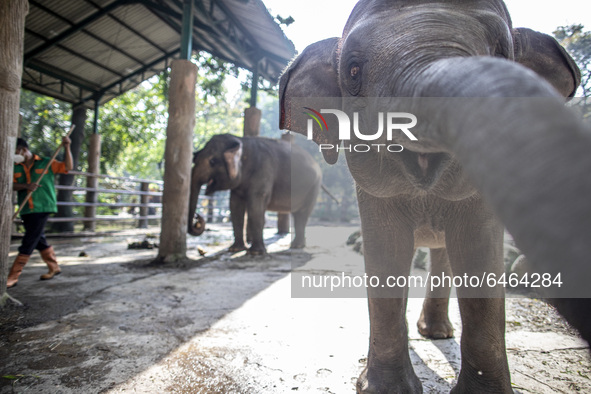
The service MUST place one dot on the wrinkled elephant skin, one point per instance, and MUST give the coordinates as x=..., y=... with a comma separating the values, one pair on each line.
x=258, y=172
x=448, y=190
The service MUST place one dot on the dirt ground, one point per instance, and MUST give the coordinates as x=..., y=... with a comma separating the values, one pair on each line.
x=228, y=324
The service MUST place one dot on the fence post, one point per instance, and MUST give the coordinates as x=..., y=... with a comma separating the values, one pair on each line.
x=144, y=200
x=92, y=181
x=210, y=208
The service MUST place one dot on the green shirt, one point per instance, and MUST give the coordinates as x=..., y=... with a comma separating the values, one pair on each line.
x=43, y=199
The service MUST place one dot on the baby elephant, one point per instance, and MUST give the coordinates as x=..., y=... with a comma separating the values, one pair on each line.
x=258, y=171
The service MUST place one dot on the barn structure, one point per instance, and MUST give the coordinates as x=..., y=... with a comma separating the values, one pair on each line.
x=87, y=52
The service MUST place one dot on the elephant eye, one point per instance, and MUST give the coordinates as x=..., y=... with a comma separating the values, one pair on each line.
x=353, y=83
x=213, y=161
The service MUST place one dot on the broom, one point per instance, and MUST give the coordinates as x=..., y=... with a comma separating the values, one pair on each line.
x=38, y=181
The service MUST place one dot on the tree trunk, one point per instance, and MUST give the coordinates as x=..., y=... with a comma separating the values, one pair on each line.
x=177, y=167
x=77, y=137
x=12, y=30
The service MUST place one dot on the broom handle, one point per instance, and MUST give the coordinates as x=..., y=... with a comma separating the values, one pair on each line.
x=38, y=181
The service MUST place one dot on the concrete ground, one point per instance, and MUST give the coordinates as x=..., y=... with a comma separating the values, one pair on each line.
x=229, y=324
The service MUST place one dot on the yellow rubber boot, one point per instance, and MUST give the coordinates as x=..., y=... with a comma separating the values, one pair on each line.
x=48, y=256
x=17, y=267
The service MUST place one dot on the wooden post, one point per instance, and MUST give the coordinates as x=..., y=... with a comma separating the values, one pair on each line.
x=252, y=122
x=20, y=125
x=252, y=115
x=178, y=157
x=210, y=209
x=144, y=200
x=15, y=194
x=12, y=31
x=77, y=137
x=94, y=155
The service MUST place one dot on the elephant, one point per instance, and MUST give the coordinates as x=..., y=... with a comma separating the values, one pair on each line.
x=260, y=176
x=475, y=162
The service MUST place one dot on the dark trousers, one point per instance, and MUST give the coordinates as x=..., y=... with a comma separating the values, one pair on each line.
x=34, y=233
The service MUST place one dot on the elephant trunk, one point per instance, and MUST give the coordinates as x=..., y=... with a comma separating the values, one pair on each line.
x=198, y=227
x=513, y=135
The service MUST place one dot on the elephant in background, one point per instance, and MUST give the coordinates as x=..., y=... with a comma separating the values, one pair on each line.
x=262, y=174
x=509, y=159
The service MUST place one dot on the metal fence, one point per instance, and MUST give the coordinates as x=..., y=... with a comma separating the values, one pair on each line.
x=127, y=199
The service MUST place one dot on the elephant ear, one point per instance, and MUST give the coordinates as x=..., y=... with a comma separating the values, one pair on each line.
x=544, y=55
x=232, y=157
x=313, y=74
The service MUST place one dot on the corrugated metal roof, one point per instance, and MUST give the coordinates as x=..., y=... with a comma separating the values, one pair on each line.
x=87, y=51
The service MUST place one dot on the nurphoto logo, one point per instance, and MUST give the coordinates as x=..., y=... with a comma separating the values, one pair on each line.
x=391, y=119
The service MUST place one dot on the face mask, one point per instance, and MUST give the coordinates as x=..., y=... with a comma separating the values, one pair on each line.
x=19, y=158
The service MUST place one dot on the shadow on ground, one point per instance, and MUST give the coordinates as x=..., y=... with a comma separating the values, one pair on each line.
x=229, y=324
x=111, y=314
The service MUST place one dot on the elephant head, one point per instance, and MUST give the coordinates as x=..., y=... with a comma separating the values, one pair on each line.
x=529, y=158
x=393, y=49
x=459, y=50
x=217, y=165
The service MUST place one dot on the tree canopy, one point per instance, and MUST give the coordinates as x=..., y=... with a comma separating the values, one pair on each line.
x=133, y=125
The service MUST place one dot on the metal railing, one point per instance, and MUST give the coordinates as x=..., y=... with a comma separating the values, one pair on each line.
x=120, y=199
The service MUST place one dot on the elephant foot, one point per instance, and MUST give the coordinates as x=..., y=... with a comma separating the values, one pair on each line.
x=434, y=321
x=482, y=382
x=298, y=243
x=387, y=381
x=257, y=250
x=435, y=328
x=237, y=247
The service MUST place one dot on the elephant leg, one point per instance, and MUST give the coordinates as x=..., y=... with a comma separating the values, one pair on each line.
x=282, y=223
x=300, y=219
x=237, y=211
x=434, y=320
x=256, y=223
x=388, y=251
x=475, y=245
x=248, y=231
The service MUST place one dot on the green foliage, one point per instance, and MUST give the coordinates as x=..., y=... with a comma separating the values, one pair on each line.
x=133, y=125
x=45, y=121
x=216, y=111
x=217, y=115
x=264, y=86
x=269, y=105
x=212, y=74
x=133, y=130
